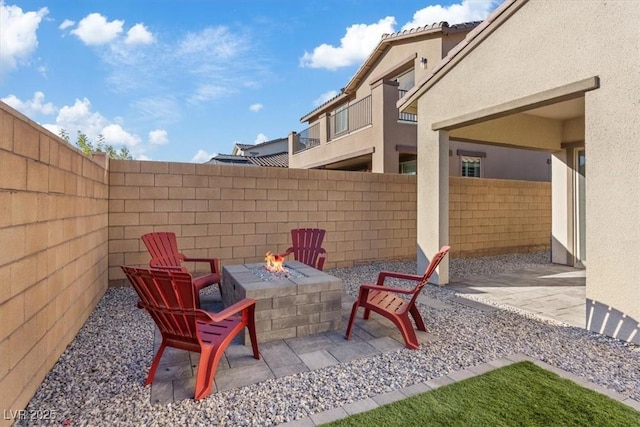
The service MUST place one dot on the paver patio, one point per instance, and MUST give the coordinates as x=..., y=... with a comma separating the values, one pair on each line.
x=554, y=292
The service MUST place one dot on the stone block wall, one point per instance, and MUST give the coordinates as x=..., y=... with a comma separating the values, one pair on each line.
x=67, y=223
x=238, y=214
x=53, y=251
x=498, y=216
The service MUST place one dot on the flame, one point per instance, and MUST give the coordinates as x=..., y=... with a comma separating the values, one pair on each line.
x=274, y=263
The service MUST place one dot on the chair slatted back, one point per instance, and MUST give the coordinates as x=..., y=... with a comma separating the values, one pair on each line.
x=163, y=247
x=170, y=299
x=306, y=243
x=431, y=268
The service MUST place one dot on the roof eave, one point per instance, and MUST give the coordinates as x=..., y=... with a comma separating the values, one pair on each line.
x=324, y=107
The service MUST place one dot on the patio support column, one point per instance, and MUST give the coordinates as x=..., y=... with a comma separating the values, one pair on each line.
x=433, y=199
x=561, y=208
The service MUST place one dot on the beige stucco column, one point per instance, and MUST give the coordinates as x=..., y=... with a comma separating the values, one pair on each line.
x=561, y=209
x=433, y=199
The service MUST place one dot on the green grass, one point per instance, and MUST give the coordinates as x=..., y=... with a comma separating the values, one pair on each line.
x=521, y=394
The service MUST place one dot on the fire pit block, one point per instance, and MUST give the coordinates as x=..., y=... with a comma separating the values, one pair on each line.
x=286, y=307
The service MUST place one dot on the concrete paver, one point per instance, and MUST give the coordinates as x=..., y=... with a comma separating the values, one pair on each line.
x=318, y=359
x=551, y=291
x=554, y=292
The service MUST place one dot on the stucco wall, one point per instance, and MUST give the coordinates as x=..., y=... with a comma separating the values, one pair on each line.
x=503, y=162
x=53, y=256
x=540, y=47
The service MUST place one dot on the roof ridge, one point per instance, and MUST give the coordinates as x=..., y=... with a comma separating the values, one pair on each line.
x=390, y=38
x=441, y=24
x=428, y=27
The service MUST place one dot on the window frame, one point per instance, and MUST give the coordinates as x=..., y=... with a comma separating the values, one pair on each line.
x=341, y=119
x=471, y=164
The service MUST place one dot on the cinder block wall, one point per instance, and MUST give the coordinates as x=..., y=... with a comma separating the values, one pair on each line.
x=497, y=216
x=53, y=251
x=237, y=214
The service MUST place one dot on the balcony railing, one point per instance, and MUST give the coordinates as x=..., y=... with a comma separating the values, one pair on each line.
x=308, y=138
x=351, y=118
x=405, y=117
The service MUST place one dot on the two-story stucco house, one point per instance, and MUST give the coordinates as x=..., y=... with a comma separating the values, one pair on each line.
x=361, y=129
x=562, y=77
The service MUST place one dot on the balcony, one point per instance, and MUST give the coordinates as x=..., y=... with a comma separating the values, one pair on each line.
x=350, y=118
x=406, y=117
x=308, y=138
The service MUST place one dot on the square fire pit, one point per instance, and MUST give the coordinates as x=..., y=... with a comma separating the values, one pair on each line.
x=305, y=301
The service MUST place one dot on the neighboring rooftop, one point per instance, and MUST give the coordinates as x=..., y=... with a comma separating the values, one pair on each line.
x=273, y=153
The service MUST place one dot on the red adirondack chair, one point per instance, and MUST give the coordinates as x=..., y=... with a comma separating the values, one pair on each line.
x=171, y=300
x=163, y=248
x=381, y=299
x=307, y=247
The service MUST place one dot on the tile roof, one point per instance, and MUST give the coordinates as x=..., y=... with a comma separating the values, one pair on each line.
x=280, y=160
x=386, y=40
x=440, y=26
x=273, y=141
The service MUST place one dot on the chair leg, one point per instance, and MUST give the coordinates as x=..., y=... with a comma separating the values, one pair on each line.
x=156, y=361
x=406, y=329
x=209, y=358
x=367, y=313
x=417, y=317
x=251, y=325
x=352, y=318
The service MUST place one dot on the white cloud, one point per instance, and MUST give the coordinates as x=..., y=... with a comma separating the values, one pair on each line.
x=35, y=105
x=18, y=39
x=202, y=156
x=325, y=97
x=355, y=46
x=94, y=29
x=256, y=107
x=79, y=117
x=116, y=135
x=212, y=42
x=465, y=11
x=66, y=24
x=158, y=137
x=138, y=34
x=261, y=138
x=208, y=92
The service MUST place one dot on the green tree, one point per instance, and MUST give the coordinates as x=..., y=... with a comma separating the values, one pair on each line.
x=87, y=147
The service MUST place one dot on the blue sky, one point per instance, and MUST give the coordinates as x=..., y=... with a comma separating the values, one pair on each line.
x=184, y=80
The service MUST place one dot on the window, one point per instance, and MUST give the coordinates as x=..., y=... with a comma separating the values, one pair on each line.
x=342, y=119
x=470, y=166
x=406, y=81
x=409, y=168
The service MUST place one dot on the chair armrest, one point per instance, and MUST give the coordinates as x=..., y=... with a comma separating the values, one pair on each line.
x=213, y=262
x=229, y=311
x=397, y=275
x=286, y=253
x=386, y=289
x=322, y=257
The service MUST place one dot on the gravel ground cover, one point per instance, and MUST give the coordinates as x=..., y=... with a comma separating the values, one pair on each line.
x=98, y=379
